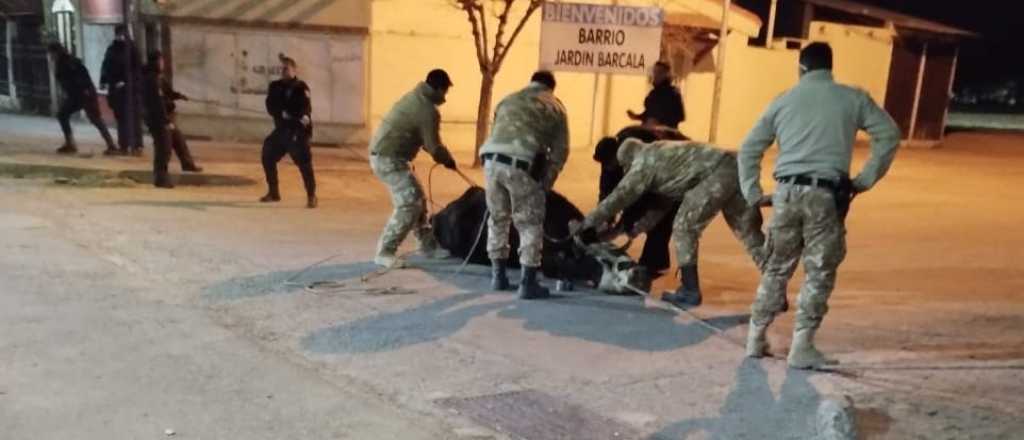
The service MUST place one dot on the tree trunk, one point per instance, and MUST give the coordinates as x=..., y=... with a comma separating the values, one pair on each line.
x=483, y=114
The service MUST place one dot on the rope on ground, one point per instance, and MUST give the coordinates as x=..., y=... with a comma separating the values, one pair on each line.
x=697, y=318
x=329, y=286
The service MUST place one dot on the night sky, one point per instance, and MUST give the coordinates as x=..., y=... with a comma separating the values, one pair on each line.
x=996, y=56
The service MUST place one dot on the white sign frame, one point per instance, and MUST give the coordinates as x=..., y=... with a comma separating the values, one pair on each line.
x=581, y=37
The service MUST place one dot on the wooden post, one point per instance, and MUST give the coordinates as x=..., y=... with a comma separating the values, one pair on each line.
x=716, y=100
x=917, y=92
x=952, y=78
x=771, y=24
x=593, y=110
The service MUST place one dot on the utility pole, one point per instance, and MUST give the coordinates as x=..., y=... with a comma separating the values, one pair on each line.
x=130, y=87
x=716, y=102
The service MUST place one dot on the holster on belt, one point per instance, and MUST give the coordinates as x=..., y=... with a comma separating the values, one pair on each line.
x=539, y=167
x=844, y=194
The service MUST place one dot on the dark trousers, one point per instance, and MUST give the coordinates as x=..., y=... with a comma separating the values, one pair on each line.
x=180, y=147
x=295, y=143
x=129, y=133
x=162, y=141
x=92, y=111
x=165, y=141
x=655, y=256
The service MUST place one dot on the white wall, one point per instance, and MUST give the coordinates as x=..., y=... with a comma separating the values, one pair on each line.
x=230, y=68
x=95, y=39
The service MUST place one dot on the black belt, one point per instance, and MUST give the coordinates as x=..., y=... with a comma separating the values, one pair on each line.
x=507, y=160
x=808, y=181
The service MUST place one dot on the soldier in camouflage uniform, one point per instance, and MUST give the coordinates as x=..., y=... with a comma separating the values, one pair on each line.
x=412, y=123
x=704, y=180
x=523, y=156
x=815, y=124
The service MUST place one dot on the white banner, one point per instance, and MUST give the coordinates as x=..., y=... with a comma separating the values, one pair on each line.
x=580, y=37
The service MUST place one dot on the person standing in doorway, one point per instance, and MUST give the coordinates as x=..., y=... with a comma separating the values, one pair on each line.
x=121, y=76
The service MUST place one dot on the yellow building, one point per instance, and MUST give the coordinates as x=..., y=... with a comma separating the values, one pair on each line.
x=359, y=56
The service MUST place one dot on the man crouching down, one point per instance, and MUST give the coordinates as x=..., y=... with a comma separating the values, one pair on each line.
x=704, y=179
x=413, y=122
x=528, y=147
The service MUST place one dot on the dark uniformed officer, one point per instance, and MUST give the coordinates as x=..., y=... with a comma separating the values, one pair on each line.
x=815, y=124
x=121, y=63
x=158, y=97
x=289, y=104
x=664, y=104
x=79, y=94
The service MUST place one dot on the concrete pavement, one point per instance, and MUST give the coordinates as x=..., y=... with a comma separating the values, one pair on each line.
x=178, y=301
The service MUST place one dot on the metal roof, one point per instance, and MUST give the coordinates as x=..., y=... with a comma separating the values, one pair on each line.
x=21, y=7
x=899, y=20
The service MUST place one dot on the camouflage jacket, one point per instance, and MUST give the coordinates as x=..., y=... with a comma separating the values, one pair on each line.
x=530, y=122
x=413, y=122
x=665, y=168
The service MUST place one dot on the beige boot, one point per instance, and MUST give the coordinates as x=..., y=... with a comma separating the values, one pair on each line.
x=757, y=341
x=389, y=260
x=803, y=355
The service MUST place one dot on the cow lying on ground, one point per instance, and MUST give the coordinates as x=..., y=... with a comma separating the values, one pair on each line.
x=462, y=224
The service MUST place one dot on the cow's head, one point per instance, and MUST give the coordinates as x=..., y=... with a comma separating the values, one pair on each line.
x=619, y=273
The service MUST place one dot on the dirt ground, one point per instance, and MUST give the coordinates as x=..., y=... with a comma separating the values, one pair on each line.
x=127, y=310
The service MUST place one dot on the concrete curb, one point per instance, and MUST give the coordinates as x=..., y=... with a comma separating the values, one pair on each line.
x=836, y=419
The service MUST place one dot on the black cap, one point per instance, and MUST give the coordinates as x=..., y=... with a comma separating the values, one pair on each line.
x=544, y=77
x=816, y=56
x=439, y=79
x=287, y=60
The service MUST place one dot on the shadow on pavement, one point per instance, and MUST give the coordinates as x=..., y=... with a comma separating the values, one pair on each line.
x=89, y=176
x=276, y=283
x=586, y=315
x=188, y=204
x=752, y=411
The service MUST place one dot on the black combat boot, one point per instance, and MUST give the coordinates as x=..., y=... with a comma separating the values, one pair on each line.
x=67, y=149
x=311, y=201
x=162, y=180
x=273, y=195
x=499, y=277
x=688, y=294
x=529, y=288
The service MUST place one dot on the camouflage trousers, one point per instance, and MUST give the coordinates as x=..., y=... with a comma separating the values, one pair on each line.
x=514, y=197
x=805, y=223
x=718, y=192
x=410, y=206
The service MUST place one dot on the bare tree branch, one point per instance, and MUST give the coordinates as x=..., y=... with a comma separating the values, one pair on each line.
x=481, y=54
x=499, y=47
x=534, y=4
x=486, y=44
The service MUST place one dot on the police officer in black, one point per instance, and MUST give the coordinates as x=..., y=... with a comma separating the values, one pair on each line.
x=79, y=94
x=288, y=102
x=158, y=96
x=121, y=63
x=664, y=104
